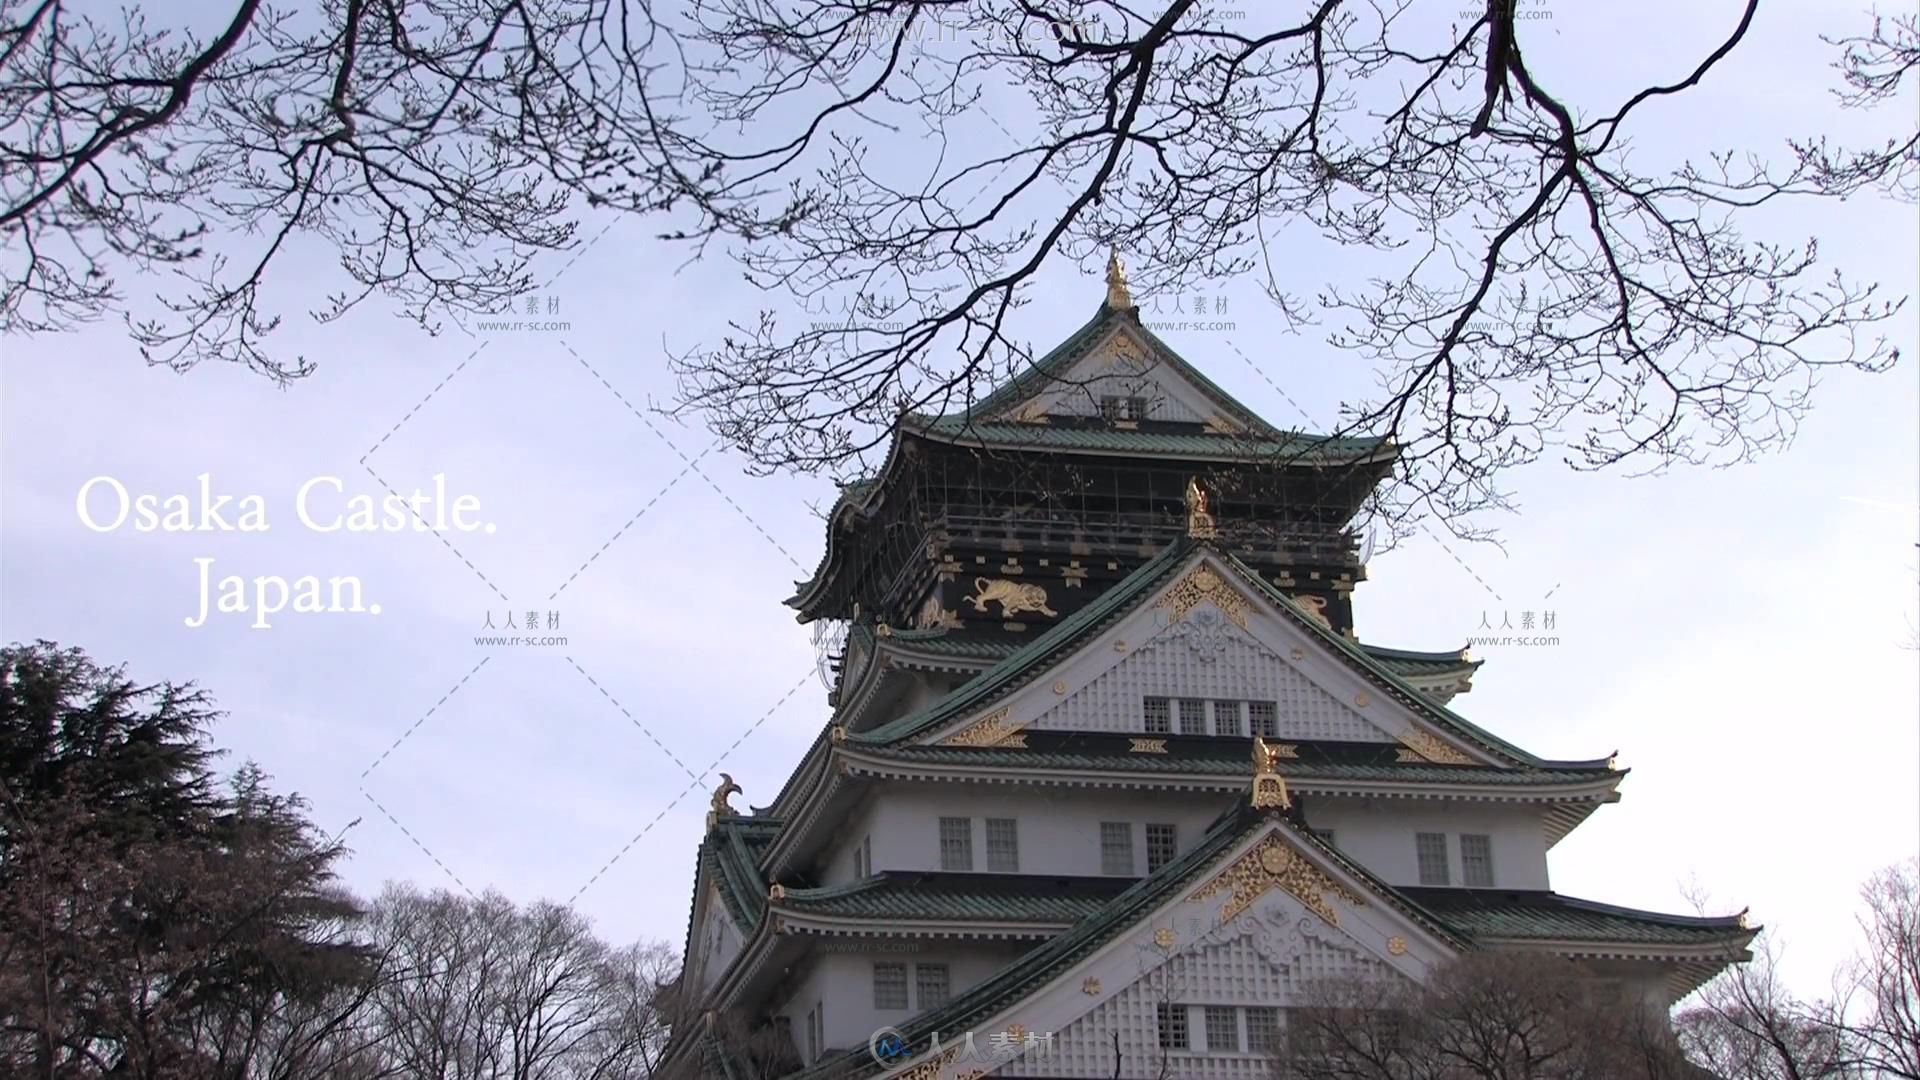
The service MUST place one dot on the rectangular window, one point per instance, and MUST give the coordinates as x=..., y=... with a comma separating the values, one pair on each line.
x=813, y=1034
x=1116, y=848
x=1161, y=845
x=1193, y=716
x=1173, y=1026
x=1223, y=1029
x=1263, y=1029
x=1159, y=716
x=1476, y=861
x=866, y=854
x=1266, y=718
x=1115, y=407
x=932, y=984
x=956, y=843
x=859, y=865
x=1226, y=719
x=889, y=986
x=1003, y=845
x=1431, y=848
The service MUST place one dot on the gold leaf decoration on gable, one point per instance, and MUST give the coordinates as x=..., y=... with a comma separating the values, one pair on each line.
x=1163, y=937
x=1203, y=584
x=1421, y=746
x=993, y=730
x=1221, y=425
x=1090, y=986
x=1273, y=864
x=1033, y=412
x=1149, y=746
x=931, y=1068
x=1315, y=607
x=1397, y=946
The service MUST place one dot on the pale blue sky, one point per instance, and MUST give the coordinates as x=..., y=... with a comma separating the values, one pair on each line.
x=1736, y=635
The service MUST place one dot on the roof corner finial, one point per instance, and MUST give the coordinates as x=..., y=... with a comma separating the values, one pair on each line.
x=1118, y=298
x=1269, y=789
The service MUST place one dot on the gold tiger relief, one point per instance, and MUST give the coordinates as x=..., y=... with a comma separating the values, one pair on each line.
x=1014, y=597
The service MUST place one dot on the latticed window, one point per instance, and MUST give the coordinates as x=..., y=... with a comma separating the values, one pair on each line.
x=1173, y=1026
x=1162, y=842
x=1193, y=716
x=1431, y=850
x=1159, y=716
x=1117, y=407
x=1223, y=1028
x=1003, y=845
x=932, y=985
x=1476, y=860
x=1265, y=716
x=1116, y=847
x=956, y=843
x=1263, y=1029
x=889, y=986
x=1226, y=718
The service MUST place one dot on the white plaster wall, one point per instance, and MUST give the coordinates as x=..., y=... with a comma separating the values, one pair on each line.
x=1379, y=835
x=841, y=975
x=1059, y=831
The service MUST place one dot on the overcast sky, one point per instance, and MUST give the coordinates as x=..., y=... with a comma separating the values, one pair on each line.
x=1738, y=636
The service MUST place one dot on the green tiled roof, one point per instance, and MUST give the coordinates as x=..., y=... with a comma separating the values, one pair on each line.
x=1546, y=915
x=966, y=645
x=1120, y=760
x=1307, y=449
x=731, y=853
x=904, y=896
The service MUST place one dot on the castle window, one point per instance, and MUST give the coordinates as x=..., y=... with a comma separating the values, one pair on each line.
x=866, y=854
x=1159, y=716
x=813, y=1034
x=1476, y=861
x=1003, y=845
x=1431, y=850
x=1116, y=848
x=1226, y=719
x=1173, y=1026
x=1161, y=845
x=1266, y=718
x=1116, y=407
x=1263, y=1029
x=1223, y=1029
x=932, y=984
x=889, y=986
x=859, y=865
x=956, y=843
x=1193, y=716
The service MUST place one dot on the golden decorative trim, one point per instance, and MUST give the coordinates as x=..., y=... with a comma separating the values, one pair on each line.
x=1200, y=522
x=1014, y=597
x=1033, y=412
x=1149, y=746
x=883, y=631
x=1221, y=425
x=776, y=894
x=1273, y=864
x=1428, y=747
x=1314, y=607
x=1163, y=937
x=1090, y=986
x=839, y=734
x=1059, y=686
x=726, y=790
x=1362, y=699
x=1017, y=1033
x=1118, y=296
x=931, y=1068
x=1119, y=646
x=1299, y=654
x=1269, y=788
x=992, y=730
x=1397, y=946
x=1202, y=584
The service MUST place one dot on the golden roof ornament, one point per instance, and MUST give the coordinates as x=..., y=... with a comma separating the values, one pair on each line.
x=1200, y=523
x=1269, y=789
x=1118, y=298
x=719, y=804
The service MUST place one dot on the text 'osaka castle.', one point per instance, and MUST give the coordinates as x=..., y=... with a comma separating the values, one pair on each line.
x=1107, y=761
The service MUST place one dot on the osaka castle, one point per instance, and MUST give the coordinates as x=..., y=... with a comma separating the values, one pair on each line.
x=1112, y=773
